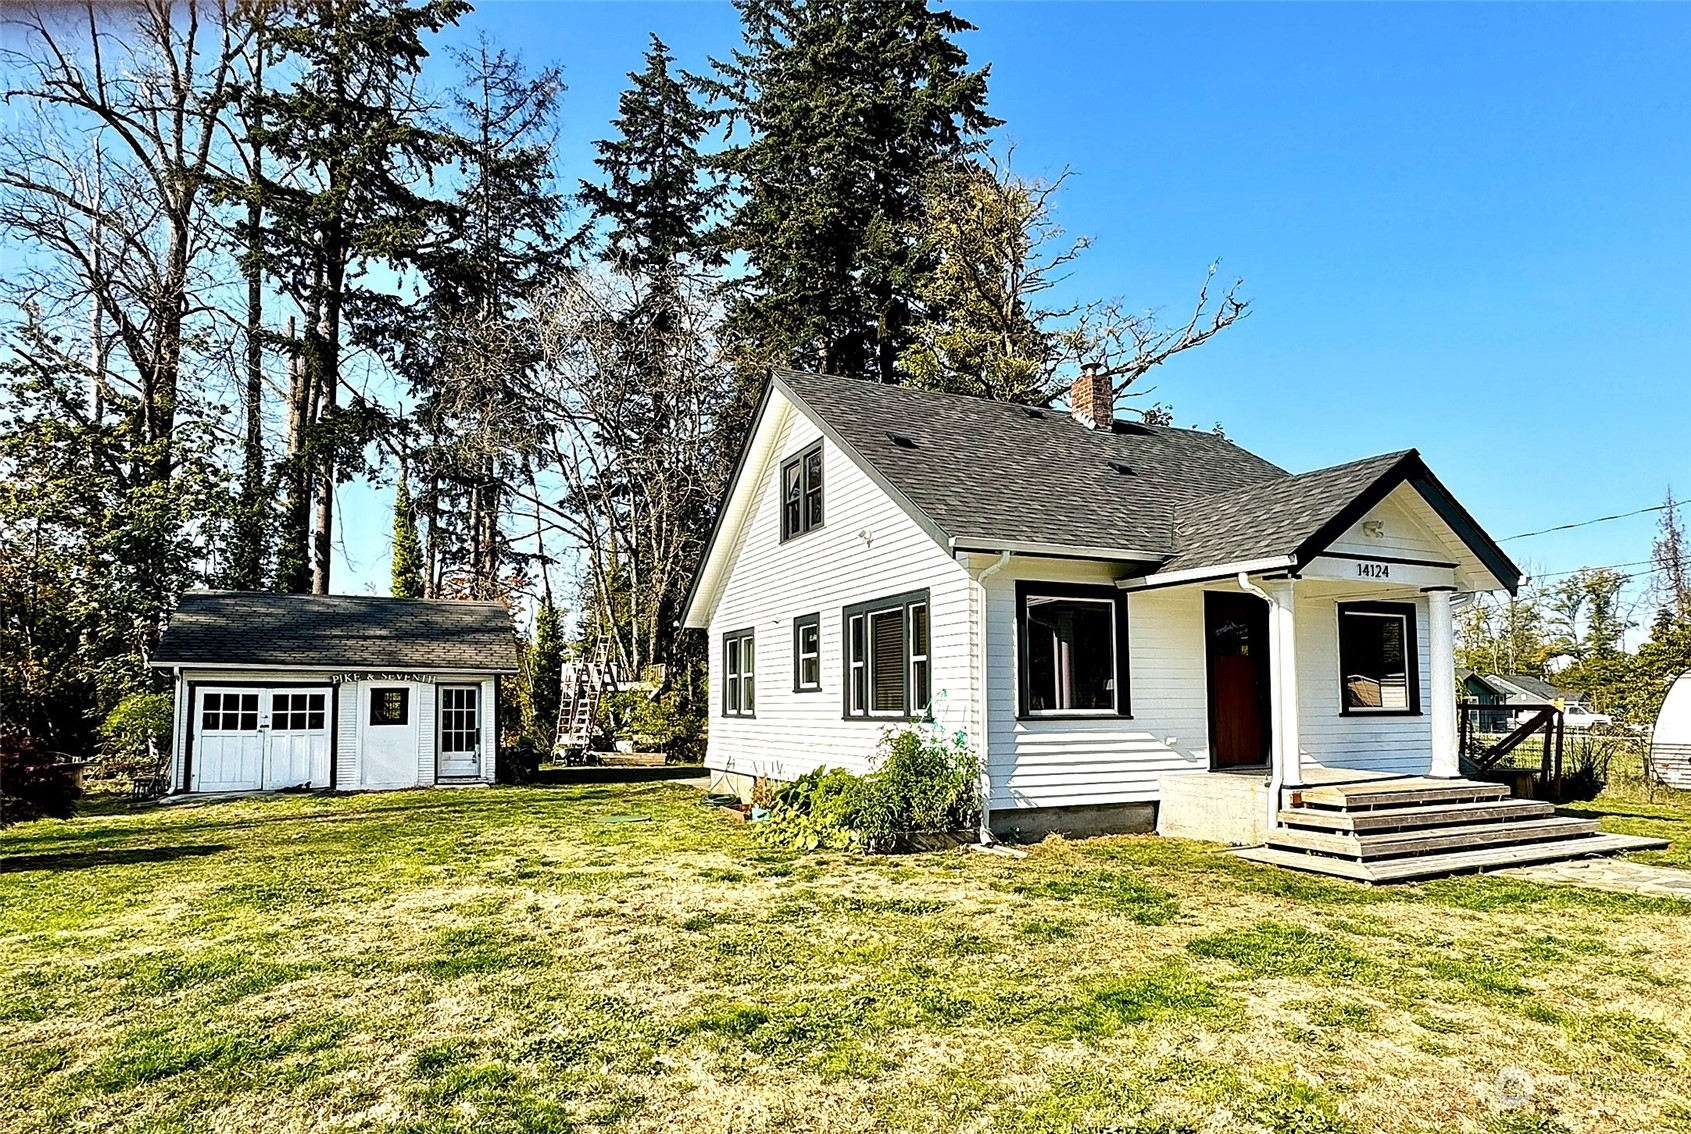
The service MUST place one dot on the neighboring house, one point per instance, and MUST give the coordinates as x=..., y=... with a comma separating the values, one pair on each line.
x=1474, y=687
x=1093, y=604
x=1519, y=689
x=285, y=691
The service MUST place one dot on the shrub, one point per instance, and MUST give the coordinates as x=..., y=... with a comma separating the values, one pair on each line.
x=921, y=783
x=1585, y=764
x=133, y=733
x=663, y=723
x=34, y=783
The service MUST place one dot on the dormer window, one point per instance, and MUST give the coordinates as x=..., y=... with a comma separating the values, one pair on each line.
x=801, y=493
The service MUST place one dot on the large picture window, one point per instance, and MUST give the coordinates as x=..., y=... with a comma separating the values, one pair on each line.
x=801, y=492
x=807, y=653
x=1378, y=670
x=1072, y=653
x=739, y=661
x=888, y=669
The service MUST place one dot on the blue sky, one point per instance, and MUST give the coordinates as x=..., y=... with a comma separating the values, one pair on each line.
x=1462, y=227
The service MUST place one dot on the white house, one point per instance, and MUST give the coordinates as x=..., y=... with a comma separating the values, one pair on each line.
x=285, y=691
x=1095, y=604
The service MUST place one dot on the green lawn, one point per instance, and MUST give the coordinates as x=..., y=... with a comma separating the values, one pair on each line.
x=512, y=959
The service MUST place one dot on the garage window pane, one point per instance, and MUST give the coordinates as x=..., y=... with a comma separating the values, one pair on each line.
x=208, y=715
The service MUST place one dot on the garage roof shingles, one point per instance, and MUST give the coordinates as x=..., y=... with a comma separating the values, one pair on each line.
x=341, y=632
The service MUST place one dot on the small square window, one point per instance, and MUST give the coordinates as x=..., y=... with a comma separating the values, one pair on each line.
x=387, y=706
x=1072, y=650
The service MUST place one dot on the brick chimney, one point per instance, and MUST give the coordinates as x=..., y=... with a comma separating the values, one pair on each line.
x=1092, y=401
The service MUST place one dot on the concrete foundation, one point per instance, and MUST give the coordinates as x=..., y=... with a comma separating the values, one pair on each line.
x=1031, y=824
x=1220, y=807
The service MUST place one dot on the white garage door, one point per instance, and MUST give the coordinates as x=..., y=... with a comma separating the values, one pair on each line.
x=253, y=739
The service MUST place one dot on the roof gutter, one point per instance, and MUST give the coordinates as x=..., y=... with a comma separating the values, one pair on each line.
x=1059, y=550
x=182, y=664
x=1208, y=574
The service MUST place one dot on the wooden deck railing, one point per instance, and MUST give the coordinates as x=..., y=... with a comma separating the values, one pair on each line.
x=1485, y=749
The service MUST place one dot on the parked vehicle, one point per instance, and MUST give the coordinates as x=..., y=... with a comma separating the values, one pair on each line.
x=1578, y=716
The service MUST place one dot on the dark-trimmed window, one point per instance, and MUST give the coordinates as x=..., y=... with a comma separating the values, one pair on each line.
x=1378, y=670
x=739, y=663
x=801, y=492
x=1072, y=650
x=390, y=706
x=888, y=667
x=807, y=653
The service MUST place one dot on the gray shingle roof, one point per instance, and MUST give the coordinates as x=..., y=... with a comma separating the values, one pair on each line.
x=1536, y=687
x=1271, y=517
x=986, y=471
x=341, y=632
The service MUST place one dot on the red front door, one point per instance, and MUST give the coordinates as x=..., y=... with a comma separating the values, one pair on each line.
x=1236, y=648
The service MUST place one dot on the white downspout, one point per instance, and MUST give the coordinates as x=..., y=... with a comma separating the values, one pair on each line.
x=984, y=732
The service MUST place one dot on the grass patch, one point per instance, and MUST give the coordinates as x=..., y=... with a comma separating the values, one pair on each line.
x=1111, y=891
x=1272, y=948
x=501, y=961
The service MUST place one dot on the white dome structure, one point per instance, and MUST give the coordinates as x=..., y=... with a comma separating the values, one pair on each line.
x=1670, y=745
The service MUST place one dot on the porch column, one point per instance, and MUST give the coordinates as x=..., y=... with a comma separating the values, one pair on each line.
x=1441, y=657
x=1283, y=658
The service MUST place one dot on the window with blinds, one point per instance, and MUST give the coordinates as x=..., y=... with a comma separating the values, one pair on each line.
x=888, y=670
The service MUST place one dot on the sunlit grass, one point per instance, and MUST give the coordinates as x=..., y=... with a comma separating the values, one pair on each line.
x=496, y=960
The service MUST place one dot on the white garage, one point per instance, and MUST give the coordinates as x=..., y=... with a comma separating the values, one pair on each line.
x=334, y=691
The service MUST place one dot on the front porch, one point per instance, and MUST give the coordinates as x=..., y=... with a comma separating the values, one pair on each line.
x=1380, y=826
x=1315, y=804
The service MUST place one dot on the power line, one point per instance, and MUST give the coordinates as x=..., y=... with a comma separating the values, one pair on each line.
x=1587, y=523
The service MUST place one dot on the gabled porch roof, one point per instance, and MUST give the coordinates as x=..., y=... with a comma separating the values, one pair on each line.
x=1285, y=523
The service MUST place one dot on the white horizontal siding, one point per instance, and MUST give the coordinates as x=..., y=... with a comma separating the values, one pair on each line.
x=347, y=747
x=1038, y=763
x=1326, y=735
x=867, y=548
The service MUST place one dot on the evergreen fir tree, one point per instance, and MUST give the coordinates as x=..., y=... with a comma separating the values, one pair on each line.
x=849, y=107
x=469, y=348
x=545, y=668
x=407, y=548
x=356, y=146
x=657, y=198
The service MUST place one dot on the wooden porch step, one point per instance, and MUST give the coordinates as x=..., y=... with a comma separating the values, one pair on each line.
x=1409, y=792
x=1450, y=862
x=1435, y=840
x=1436, y=815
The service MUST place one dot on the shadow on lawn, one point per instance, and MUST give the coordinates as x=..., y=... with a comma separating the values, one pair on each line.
x=128, y=856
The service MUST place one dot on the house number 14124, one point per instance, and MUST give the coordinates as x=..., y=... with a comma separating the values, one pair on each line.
x=1374, y=570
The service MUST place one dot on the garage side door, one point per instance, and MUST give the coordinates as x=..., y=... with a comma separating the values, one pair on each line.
x=229, y=749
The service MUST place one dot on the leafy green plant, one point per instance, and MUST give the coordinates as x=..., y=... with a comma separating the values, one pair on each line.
x=666, y=723
x=921, y=784
x=134, y=732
